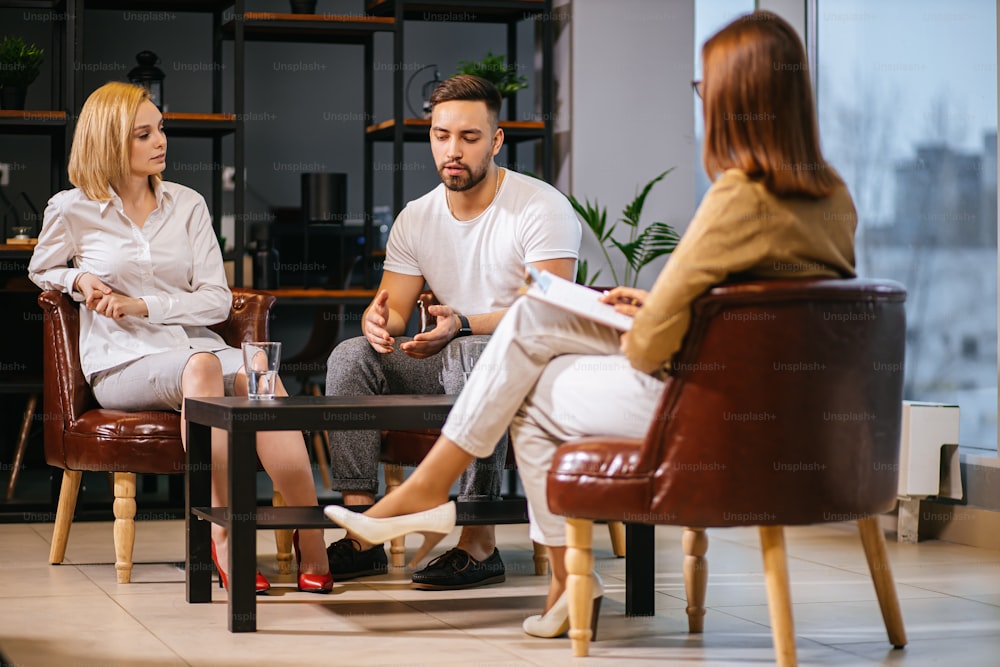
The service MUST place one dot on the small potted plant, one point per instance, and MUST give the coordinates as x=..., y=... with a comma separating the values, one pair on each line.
x=639, y=248
x=494, y=69
x=20, y=65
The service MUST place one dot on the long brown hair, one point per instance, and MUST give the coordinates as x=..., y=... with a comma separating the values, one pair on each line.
x=759, y=112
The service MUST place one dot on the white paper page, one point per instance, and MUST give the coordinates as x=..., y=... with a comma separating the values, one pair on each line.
x=575, y=298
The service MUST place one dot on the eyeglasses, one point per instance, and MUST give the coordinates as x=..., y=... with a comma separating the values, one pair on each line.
x=696, y=87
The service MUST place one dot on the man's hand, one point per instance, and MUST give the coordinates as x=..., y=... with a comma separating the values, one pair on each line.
x=376, y=319
x=626, y=300
x=431, y=342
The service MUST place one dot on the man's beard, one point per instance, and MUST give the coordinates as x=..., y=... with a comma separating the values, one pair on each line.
x=466, y=181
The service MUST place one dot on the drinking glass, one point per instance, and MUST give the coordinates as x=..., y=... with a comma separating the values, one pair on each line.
x=261, y=361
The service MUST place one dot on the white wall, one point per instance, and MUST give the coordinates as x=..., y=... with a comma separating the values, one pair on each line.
x=624, y=73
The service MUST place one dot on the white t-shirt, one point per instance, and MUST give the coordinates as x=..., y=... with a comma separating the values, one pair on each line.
x=476, y=266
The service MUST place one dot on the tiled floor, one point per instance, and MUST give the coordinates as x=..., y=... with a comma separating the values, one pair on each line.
x=75, y=614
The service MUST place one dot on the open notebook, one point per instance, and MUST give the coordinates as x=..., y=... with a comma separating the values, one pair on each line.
x=575, y=298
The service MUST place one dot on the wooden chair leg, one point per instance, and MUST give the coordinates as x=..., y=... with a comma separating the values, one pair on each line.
x=873, y=542
x=541, y=558
x=22, y=444
x=617, y=531
x=64, y=515
x=695, y=544
x=394, y=475
x=579, y=570
x=321, y=447
x=282, y=539
x=779, y=599
x=124, y=510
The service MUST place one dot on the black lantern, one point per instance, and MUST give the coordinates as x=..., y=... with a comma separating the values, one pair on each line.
x=149, y=76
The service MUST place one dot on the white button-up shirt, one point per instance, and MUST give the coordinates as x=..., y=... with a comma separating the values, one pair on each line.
x=172, y=262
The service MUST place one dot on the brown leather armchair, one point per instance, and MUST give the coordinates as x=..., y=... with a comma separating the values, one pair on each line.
x=783, y=408
x=80, y=435
x=408, y=448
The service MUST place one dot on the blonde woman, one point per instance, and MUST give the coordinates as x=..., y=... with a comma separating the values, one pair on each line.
x=775, y=210
x=141, y=255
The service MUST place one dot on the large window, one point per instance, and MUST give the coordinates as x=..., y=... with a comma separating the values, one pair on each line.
x=907, y=99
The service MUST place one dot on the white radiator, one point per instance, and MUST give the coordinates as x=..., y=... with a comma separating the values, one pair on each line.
x=928, y=461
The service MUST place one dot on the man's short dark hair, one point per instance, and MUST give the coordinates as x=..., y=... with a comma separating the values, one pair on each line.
x=467, y=87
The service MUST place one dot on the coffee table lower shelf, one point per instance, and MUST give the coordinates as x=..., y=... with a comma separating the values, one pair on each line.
x=494, y=512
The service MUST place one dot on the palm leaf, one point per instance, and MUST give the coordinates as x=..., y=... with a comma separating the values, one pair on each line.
x=596, y=219
x=581, y=274
x=655, y=241
x=633, y=211
x=631, y=250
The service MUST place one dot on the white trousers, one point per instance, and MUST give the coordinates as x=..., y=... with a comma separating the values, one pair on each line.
x=550, y=377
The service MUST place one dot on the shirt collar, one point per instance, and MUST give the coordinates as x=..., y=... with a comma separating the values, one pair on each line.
x=160, y=192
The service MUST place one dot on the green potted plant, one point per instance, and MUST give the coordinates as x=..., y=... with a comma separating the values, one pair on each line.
x=639, y=248
x=494, y=69
x=20, y=65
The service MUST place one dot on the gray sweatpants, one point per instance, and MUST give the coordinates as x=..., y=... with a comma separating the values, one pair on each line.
x=355, y=369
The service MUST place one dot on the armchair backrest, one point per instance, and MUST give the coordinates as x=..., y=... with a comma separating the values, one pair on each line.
x=67, y=395
x=784, y=403
x=249, y=318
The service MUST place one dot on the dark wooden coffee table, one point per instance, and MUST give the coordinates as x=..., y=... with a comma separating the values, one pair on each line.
x=243, y=419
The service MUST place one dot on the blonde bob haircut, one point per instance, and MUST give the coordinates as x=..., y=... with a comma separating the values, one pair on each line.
x=758, y=106
x=102, y=142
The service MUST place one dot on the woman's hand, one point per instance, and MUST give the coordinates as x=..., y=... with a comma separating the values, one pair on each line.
x=627, y=300
x=117, y=306
x=99, y=298
x=92, y=289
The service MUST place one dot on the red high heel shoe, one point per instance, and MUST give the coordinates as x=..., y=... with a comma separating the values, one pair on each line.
x=263, y=585
x=310, y=583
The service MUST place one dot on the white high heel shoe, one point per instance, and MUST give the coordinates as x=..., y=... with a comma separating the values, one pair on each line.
x=434, y=524
x=555, y=622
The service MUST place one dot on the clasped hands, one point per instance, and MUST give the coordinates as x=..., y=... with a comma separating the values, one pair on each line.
x=100, y=298
x=424, y=344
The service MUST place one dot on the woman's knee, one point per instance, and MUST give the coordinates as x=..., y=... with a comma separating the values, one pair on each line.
x=203, y=373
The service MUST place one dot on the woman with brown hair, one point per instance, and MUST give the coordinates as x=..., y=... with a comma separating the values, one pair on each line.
x=775, y=210
x=141, y=255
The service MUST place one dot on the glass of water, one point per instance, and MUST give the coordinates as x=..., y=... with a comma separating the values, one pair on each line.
x=261, y=361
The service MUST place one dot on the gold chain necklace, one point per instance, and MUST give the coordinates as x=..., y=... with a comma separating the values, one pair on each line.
x=496, y=191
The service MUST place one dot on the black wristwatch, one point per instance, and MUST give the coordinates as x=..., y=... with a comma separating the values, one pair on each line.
x=464, y=329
